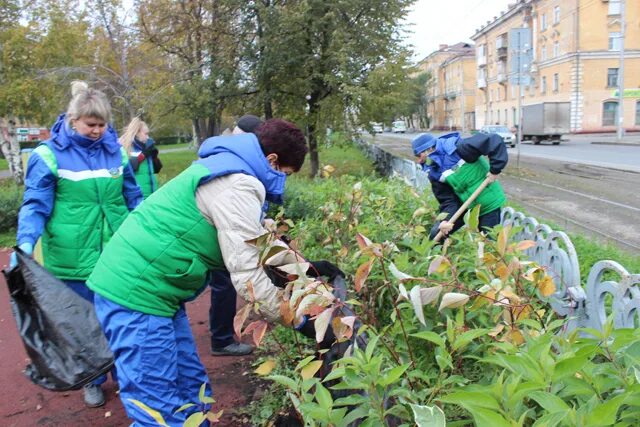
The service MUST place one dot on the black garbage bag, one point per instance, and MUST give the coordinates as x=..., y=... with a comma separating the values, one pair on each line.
x=58, y=327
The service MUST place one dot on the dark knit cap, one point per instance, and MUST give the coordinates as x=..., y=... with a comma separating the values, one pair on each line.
x=248, y=123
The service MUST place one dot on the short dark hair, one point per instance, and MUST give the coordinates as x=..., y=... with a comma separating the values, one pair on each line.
x=284, y=139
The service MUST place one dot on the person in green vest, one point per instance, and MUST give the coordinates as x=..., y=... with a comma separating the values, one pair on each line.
x=200, y=221
x=143, y=155
x=79, y=188
x=456, y=168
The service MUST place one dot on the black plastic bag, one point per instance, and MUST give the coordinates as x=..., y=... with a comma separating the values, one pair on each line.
x=58, y=327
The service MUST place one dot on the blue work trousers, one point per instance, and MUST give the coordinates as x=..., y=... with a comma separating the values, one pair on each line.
x=222, y=310
x=157, y=362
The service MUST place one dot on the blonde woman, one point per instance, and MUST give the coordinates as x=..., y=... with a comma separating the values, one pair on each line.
x=79, y=188
x=143, y=155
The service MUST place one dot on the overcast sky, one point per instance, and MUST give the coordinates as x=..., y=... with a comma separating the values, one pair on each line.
x=436, y=22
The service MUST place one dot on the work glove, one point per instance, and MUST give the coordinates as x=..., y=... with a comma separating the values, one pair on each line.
x=27, y=248
x=141, y=157
x=324, y=268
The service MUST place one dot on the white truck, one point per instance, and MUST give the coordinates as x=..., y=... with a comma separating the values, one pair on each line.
x=547, y=121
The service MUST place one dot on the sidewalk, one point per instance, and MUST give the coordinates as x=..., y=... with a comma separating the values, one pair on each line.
x=25, y=404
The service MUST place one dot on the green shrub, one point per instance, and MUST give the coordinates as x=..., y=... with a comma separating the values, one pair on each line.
x=10, y=200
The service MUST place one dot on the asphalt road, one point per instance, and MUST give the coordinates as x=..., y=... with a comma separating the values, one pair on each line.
x=587, y=188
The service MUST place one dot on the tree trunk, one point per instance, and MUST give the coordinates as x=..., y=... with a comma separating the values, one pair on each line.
x=11, y=151
x=314, y=158
x=268, y=108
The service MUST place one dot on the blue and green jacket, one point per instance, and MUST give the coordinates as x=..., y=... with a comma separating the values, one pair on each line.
x=77, y=193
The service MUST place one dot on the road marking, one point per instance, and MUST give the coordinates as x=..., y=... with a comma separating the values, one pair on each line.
x=620, y=205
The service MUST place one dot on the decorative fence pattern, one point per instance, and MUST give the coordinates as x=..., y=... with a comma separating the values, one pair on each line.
x=610, y=288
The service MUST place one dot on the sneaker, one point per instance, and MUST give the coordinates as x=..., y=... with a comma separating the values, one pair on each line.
x=93, y=395
x=235, y=349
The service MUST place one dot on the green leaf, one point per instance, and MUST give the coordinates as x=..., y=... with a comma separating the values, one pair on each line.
x=472, y=399
x=550, y=402
x=203, y=388
x=428, y=416
x=568, y=367
x=336, y=372
x=393, y=375
x=550, y=420
x=304, y=362
x=604, y=414
x=323, y=397
x=283, y=380
x=466, y=337
x=195, y=419
x=185, y=406
x=474, y=218
x=430, y=336
x=152, y=412
x=357, y=413
x=488, y=418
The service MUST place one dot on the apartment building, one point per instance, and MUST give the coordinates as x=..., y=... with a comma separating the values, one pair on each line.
x=576, y=48
x=451, y=95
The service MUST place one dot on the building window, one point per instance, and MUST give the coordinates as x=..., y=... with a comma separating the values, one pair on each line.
x=543, y=53
x=506, y=117
x=514, y=115
x=614, y=7
x=609, y=113
x=637, y=113
x=498, y=118
x=615, y=41
x=612, y=77
x=543, y=22
x=556, y=82
x=543, y=85
x=556, y=49
x=556, y=15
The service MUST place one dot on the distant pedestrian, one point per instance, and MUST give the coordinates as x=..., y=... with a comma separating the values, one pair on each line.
x=456, y=168
x=79, y=188
x=143, y=155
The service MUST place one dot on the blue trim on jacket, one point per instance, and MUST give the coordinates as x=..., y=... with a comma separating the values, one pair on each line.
x=141, y=147
x=225, y=155
x=444, y=157
x=73, y=152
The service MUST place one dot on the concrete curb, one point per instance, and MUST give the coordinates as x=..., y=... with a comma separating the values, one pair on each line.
x=626, y=144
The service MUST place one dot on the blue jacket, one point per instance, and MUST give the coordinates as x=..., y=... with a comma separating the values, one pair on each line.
x=225, y=155
x=74, y=153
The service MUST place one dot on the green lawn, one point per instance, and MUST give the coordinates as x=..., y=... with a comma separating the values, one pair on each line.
x=4, y=164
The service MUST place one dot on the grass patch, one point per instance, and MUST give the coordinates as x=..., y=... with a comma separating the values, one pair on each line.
x=161, y=148
x=174, y=163
x=8, y=238
x=4, y=164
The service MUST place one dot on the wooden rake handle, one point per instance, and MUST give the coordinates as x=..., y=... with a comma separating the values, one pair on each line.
x=465, y=205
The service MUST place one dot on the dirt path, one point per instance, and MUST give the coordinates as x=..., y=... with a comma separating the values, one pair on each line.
x=25, y=404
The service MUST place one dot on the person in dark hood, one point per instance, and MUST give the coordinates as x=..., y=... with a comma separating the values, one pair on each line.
x=456, y=168
x=79, y=188
x=200, y=221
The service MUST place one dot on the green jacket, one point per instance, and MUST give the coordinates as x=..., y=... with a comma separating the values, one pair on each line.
x=162, y=251
x=467, y=177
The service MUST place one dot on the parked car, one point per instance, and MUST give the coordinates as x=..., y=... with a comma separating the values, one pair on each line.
x=507, y=136
x=399, y=126
x=377, y=127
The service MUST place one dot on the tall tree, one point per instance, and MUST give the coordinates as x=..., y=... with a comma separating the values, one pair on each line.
x=322, y=53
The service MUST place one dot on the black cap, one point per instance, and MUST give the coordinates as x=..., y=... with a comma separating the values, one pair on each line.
x=249, y=123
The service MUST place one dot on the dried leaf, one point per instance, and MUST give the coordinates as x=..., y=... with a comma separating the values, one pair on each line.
x=404, y=295
x=310, y=369
x=503, y=272
x=453, y=300
x=440, y=264
x=399, y=274
x=322, y=323
x=299, y=268
x=496, y=330
x=503, y=239
x=480, y=250
x=214, y=417
x=341, y=330
x=286, y=313
x=343, y=252
x=265, y=367
x=522, y=312
x=259, y=328
x=363, y=242
x=270, y=252
x=546, y=286
x=508, y=293
x=252, y=295
x=240, y=318
x=524, y=245
x=416, y=301
x=429, y=295
x=309, y=301
x=362, y=273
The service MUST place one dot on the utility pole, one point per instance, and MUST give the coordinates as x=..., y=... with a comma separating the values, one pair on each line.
x=620, y=132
